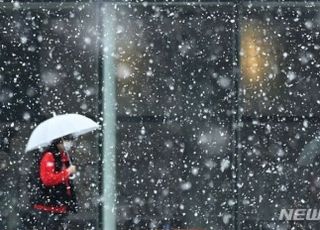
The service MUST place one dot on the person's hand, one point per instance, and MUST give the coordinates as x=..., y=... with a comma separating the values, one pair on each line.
x=71, y=169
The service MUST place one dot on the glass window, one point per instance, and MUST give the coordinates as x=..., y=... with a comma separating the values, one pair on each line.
x=48, y=63
x=280, y=60
x=175, y=88
x=279, y=97
x=278, y=170
x=173, y=60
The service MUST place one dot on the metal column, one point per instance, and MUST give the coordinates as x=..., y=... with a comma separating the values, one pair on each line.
x=109, y=119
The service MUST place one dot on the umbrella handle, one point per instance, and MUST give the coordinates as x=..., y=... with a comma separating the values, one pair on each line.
x=72, y=176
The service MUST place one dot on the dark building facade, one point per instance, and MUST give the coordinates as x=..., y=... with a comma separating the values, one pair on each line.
x=210, y=110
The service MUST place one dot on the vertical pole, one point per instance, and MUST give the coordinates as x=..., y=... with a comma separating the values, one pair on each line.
x=109, y=119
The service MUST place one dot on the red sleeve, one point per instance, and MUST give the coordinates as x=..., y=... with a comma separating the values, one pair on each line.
x=48, y=175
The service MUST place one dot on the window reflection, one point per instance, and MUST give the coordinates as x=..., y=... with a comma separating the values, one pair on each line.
x=174, y=95
x=276, y=169
x=279, y=60
x=258, y=53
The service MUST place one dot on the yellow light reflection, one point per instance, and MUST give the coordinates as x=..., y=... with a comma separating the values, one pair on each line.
x=258, y=57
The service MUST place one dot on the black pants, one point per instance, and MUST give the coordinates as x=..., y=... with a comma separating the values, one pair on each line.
x=48, y=221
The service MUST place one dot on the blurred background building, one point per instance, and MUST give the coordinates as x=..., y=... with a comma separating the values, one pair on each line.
x=207, y=108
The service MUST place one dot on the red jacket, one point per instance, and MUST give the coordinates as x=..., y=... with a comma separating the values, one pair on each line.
x=50, y=177
x=47, y=170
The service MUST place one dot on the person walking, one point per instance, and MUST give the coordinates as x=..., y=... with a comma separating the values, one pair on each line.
x=51, y=189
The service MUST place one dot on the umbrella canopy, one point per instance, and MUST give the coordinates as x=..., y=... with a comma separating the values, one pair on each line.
x=310, y=152
x=59, y=126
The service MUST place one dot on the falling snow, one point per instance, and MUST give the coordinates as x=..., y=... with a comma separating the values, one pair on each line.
x=209, y=113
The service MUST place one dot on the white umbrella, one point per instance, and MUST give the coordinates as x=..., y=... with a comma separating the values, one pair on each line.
x=59, y=126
